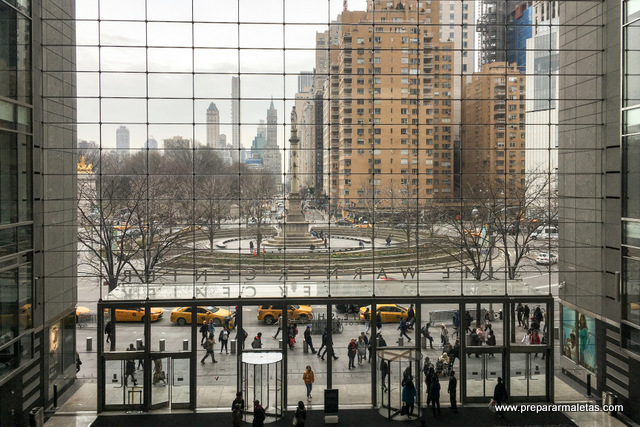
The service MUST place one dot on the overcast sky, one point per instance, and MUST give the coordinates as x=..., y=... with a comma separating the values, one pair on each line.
x=215, y=36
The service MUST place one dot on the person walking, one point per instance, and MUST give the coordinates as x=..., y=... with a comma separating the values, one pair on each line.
x=403, y=329
x=308, y=377
x=308, y=340
x=351, y=353
x=468, y=321
x=78, y=362
x=384, y=371
x=279, y=326
x=428, y=379
x=324, y=344
x=224, y=339
x=378, y=321
x=520, y=313
x=367, y=345
x=141, y=360
x=426, y=334
x=388, y=241
x=367, y=320
x=500, y=395
x=300, y=417
x=212, y=328
x=409, y=396
x=361, y=349
x=434, y=395
x=259, y=414
x=411, y=317
x=130, y=371
x=525, y=315
x=204, y=331
x=108, y=329
x=209, y=347
x=453, y=385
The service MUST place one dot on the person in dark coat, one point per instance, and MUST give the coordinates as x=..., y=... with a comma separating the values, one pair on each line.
x=204, y=331
x=428, y=379
x=108, y=329
x=453, y=385
x=411, y=317
x=434, y=395
x=307, y=339
x=525, y=314
x=403, y=329
x=520, y=313
x=500, y=395
x=238, y=401
x=301, y=414
x=259, y=414
x=384, y=371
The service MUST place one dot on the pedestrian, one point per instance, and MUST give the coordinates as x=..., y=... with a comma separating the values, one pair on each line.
x=238, y=401
x=251, y=246
x=378, y=321
x=468, y=320
x=158, y=373
x=212, y=328
x=279, y=326
x=487, y=321
x=526, y=338
x=361, y=349
x=300, y=417
x=519, y=313
x=444, y=335
x=324, y=343
x=403, y=329
x=384, y=371
x=525, y=316
x=388, y=241
x=428, y=379
x=204, y=331
x=141, y=361
x=367, y=345
x=259, y=414
x=367, y=319
x=78, y=362
x=411, y=317
x=224, y=339
x=308, y=377
x=351, y=353
x=453, y=385
x=409, y=397
x=427, y=335
x=130, y=371
x=434, y=395
x=108, y=329
x=257, y=341
x=293, y=332
x=307, y=339
x=381, y=342
x=209, y=347
x=236, y=416
x=499, y=396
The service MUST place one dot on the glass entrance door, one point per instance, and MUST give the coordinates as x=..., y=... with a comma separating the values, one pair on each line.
x=482, y=372
x=180, y=380
x=160, y=385
x=170, y=383
x=528, y=375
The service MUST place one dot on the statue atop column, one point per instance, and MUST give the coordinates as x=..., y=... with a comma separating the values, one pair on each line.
x=294, y=118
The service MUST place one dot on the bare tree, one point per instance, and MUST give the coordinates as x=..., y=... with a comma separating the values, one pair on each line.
x=255, y=192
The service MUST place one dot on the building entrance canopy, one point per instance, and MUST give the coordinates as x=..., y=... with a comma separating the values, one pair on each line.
x=274, y=288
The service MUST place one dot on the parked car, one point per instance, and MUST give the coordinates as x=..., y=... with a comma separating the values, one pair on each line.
x=269, y=314
x=183, y=315
x=546, y=258
x=389, y=313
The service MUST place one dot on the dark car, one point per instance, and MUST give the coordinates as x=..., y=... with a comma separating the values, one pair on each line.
x=347, y=308
x=342, y=222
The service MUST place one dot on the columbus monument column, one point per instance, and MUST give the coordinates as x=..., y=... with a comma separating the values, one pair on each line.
x=295, y=229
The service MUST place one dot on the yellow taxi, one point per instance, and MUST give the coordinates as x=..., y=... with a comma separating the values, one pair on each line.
x=135, y=314
x=269, y=314
x=182, y=315
x=389, y=313
x=25, y=318
x=364, y=225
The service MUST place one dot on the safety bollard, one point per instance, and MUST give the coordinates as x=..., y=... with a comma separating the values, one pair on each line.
x=233, y=346
x=305, y=347
x=161, y=345
x=400, y=341
x=185, y=345
x=424, y=342
x=89, y=344
x=139, y=344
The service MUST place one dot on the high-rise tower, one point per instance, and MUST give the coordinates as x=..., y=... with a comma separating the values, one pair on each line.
x=235, y=117
x=122, y=139
x=213, y=126
x=271, y=157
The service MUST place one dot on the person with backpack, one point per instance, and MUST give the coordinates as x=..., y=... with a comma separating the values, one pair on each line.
x=259, y=414
x=204, y=331
x=307, y=339
x=209, y=347
x=257, y=341
x=224, y=339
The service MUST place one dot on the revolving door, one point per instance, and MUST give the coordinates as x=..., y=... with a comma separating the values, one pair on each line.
x=398, y=369
x=262, y=380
